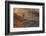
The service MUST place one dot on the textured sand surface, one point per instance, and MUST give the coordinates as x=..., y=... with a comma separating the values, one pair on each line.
x=24, y=17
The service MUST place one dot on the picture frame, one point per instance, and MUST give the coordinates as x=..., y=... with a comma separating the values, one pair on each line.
x=9, y=5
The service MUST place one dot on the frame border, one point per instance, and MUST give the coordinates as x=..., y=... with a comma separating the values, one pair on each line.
x=7, y=20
